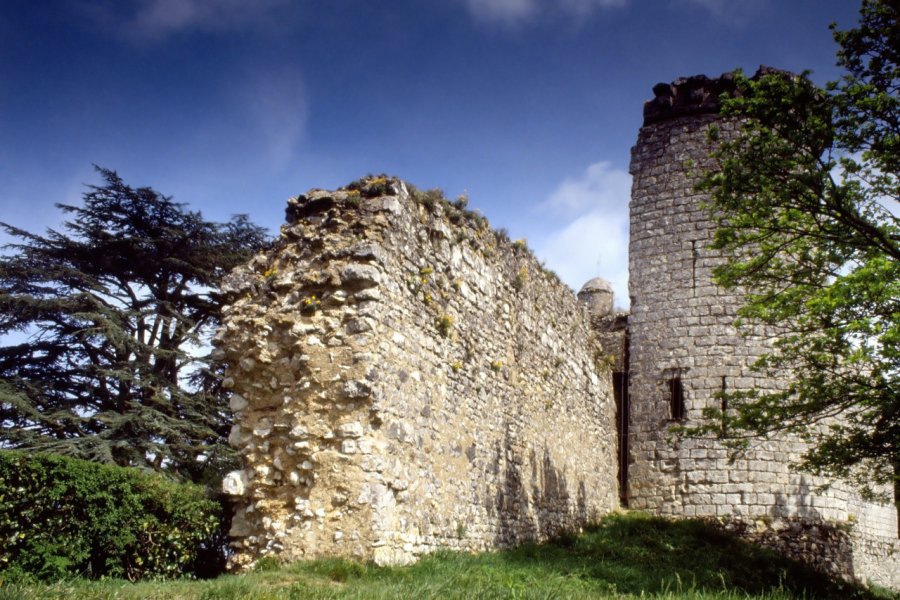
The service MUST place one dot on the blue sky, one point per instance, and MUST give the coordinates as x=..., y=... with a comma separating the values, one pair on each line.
x=232, y=106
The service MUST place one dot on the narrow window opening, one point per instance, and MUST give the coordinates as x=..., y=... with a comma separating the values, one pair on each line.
x=724, y=402
x=694, y=256
x=676, y=399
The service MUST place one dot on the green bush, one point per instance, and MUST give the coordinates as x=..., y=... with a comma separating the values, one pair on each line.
x=62, y=517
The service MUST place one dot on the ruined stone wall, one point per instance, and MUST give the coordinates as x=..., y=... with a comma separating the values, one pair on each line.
x=680, y=328
x=405, y=379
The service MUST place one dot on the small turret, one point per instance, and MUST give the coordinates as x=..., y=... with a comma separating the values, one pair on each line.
x=598, y=295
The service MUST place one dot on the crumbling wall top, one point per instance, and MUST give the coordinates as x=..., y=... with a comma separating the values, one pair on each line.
x=407, y=379
x=687, y=96
x=694, y=95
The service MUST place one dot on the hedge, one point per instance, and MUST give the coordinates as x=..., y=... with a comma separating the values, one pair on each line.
x=62, y=517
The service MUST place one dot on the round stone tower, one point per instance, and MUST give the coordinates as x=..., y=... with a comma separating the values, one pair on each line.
x=597, y=294
x=684, y=349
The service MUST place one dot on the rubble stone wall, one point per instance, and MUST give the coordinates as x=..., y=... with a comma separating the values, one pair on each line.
x=681, y=327
x=406, y=379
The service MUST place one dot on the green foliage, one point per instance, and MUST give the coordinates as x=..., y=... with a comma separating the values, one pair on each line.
x=445, y=324
x=477, y=220
x=266, y=563
x=428, y=198
x=455, y=216
x=806, y=199
x=604, y=360
x=310, y=305
x=370, y=186
x=626, y=556
x=62, y=517
x=108, y=315
x=520, y=279
x=460, y=531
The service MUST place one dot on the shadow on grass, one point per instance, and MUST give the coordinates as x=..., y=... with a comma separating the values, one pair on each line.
x=626, y=556
x=636, y=553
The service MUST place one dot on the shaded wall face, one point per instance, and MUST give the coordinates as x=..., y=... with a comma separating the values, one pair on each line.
x=684, y=349
x=408, y=380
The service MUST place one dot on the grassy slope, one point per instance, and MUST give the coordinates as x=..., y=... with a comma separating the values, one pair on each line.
x=626, y=556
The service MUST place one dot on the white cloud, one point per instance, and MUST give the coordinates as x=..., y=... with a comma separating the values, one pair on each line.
x=276, y=107
x=599, y=186
x=157, y=19
x=594, y=240
x=514, y=12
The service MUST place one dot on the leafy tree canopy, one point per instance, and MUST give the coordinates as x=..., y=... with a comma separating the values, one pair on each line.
x=110, y=316
x=810, y=184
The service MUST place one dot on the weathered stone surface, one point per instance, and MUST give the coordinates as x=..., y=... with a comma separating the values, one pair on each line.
x=681, y=327
x=235, y=483
x=363, y=275
x=409, y=380
x=237, y=403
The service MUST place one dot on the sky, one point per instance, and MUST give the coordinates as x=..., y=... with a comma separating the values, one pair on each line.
x=232, y=106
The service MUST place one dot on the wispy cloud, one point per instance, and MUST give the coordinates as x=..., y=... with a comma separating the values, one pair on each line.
x=515, y=12
x=594, y=240
x=143, y=20
x=502, y=11
x=275, y=105
x=600, y=186
x=586, y=7
x=728, y=9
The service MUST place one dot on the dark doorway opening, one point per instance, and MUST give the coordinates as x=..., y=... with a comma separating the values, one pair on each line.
x=620, y=393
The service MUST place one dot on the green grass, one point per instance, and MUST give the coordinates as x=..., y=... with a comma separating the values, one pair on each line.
x=625, y=556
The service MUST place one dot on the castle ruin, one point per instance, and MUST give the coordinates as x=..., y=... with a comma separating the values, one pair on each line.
x=406, y=379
